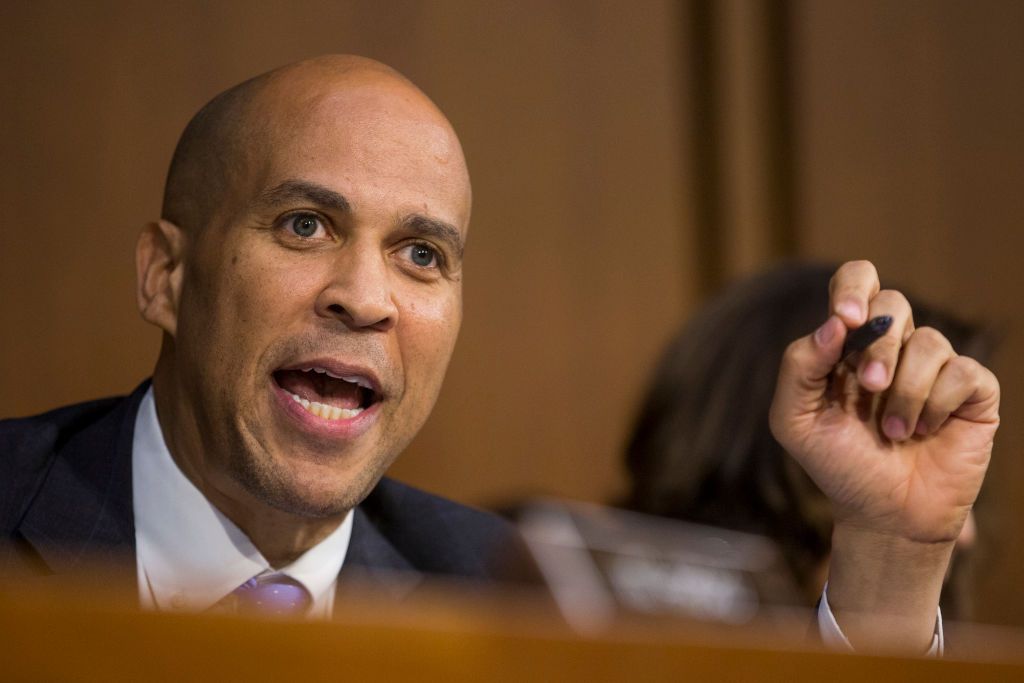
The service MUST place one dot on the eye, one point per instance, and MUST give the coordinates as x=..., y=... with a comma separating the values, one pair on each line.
x=304, y=224
x=423, y=255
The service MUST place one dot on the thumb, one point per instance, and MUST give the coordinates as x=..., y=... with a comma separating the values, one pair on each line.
x=804, y=373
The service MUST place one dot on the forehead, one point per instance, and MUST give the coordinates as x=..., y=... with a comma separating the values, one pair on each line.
x=377, y=143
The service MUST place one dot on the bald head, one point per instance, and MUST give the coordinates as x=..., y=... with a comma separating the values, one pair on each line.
x=242, y=124
x=314, y=217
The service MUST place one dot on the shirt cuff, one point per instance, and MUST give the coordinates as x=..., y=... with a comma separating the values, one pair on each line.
x=834, y=638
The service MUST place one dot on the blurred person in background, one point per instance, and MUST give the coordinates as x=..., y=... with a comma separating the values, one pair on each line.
x=701, y=449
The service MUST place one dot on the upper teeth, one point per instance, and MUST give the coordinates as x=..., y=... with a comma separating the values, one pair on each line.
x=325, y=411
x=354, y=379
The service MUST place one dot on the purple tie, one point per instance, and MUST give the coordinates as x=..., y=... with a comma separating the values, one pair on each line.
x=272, y=594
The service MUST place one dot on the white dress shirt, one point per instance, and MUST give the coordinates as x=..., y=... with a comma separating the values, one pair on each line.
x=189, y=555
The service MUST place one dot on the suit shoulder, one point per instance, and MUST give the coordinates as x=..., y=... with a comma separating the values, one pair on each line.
x=26, y=436
x=29, y=444
x=395, y=500
x=441, y=536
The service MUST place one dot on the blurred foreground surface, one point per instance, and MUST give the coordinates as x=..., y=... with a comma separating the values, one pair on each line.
x=91, y=632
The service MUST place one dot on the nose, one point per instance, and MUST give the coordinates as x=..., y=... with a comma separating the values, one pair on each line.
x=359, y=293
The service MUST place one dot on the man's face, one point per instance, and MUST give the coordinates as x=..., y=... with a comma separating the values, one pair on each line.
x=320, y=307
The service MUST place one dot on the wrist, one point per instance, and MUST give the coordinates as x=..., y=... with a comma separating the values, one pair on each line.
x=884, y=589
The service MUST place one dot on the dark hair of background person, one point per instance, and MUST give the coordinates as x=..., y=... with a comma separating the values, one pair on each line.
x=701, y=449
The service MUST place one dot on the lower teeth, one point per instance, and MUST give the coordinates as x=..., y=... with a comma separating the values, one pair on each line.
x=325, y=411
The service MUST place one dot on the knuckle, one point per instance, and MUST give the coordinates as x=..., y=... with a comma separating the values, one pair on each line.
x=910, y=393
x=991, y=379
x=792, y=349
x=893, y=297
x=858, y=265
x=931, y=340
x=849, y=273
x=964, y=370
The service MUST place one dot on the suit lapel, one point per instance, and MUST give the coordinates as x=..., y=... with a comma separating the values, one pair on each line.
x=373, y=560
x=83, y=511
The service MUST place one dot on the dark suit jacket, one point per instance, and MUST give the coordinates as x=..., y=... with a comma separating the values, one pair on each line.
x=66, y=503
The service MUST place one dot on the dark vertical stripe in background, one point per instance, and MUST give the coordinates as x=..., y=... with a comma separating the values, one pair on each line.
x=779, y=41
x=707, y=38
x=700, y=55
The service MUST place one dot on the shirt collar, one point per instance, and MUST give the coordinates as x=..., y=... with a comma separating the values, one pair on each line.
x=189, y=554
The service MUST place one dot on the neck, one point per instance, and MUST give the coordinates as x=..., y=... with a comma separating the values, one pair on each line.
x=280, y=537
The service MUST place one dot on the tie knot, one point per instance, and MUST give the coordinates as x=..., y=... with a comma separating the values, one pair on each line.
x=272, y=594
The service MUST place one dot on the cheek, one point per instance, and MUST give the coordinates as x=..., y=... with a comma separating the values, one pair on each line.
x=263, y=293
x=430, y=327
x=239, y=305
x=438, y=312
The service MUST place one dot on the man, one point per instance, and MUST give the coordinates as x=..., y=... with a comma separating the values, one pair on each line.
x=306, y=274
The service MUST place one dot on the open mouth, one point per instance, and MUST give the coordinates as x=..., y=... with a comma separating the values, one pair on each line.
x=326, y=394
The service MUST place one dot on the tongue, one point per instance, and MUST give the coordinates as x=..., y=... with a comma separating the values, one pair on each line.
x=314, y=386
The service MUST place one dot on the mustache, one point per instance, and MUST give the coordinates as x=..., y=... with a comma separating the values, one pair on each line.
x=354, y=348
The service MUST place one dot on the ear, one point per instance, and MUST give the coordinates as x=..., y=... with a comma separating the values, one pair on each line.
x=159, y=268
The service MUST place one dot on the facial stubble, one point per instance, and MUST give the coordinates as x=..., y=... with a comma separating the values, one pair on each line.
x=273, y=480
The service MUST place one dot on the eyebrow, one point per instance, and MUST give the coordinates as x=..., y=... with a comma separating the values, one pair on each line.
x=420, y=225
x=292, y=190
x=431, y=227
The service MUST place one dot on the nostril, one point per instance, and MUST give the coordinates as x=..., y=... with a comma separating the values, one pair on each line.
x=359, y=314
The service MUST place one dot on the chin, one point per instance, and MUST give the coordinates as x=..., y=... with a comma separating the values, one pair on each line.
x=307, y=490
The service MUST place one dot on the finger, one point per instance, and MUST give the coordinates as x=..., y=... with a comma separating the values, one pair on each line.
x=850, y=290
x=965, y=388
x=804, y=375
x=924, y=355
x=877, y=364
